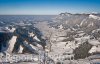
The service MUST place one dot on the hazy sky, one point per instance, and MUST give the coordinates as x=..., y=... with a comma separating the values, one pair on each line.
x=48, y=6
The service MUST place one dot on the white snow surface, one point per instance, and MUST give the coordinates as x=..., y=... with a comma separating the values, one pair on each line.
x=31, y=34
x=11, y=30
x=95, y=49
x=94, y=17
x=11, y=43
x=35, y=37
x=94, y=42
x=20, y=49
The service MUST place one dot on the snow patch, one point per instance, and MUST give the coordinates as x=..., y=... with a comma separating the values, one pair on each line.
x=94, y=49
x=61, y=27
x=35, y=37
x=33, y=46
x=94, y=17
x=31, y=34
x=11, y=30
x=94, y=42
x=11, y=43
x=20, y=49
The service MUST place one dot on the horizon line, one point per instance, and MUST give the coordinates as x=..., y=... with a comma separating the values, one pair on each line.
x=57, y=14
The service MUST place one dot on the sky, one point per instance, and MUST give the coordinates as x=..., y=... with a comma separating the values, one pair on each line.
x=47, y=7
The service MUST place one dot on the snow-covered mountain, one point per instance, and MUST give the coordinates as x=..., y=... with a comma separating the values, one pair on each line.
x=71, y=36
x=21, y=40
x=65, y=38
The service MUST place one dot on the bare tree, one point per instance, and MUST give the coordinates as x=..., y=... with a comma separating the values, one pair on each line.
x=49, y=39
